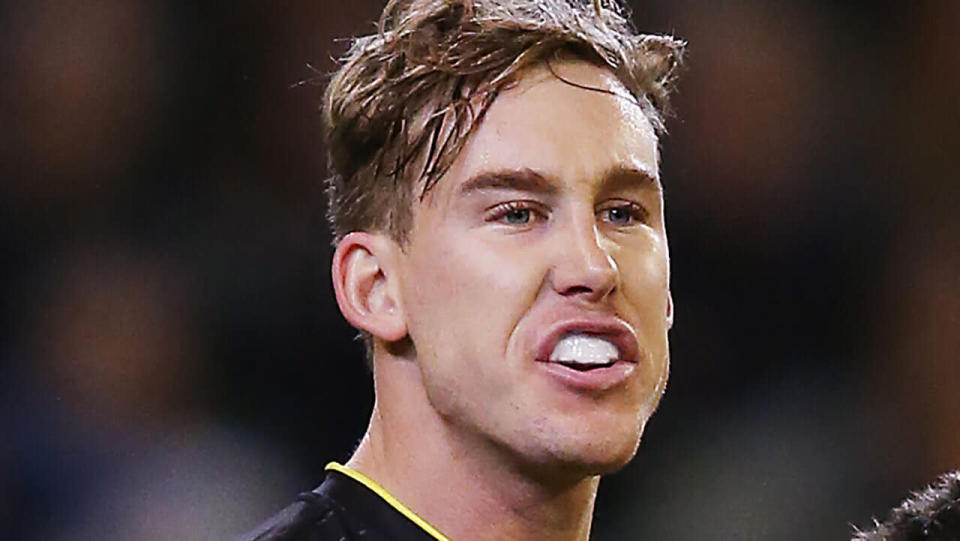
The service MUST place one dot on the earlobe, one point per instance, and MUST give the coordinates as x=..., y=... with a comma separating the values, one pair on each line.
x=363, y=277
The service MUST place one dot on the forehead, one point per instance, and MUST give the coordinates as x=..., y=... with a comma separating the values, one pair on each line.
x=571, y=121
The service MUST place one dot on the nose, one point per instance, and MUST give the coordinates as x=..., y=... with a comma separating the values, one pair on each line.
x=584, y=265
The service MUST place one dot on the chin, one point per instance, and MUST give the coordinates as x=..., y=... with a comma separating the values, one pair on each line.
x=609, y=457
x=585, y=455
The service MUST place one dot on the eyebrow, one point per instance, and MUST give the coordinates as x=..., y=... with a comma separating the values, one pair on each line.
x=524, y=180
x=629, y=177
x=528, y=180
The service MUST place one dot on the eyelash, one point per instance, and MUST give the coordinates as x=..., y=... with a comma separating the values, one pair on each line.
x=499, y=213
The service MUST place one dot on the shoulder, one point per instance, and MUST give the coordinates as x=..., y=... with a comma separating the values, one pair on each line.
x=313, y=517
x=346, y=507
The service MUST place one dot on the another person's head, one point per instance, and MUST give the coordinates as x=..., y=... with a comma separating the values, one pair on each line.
x=498, y=214
x=932, y=514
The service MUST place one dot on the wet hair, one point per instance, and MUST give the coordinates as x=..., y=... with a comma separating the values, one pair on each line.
x=932, y=514
x=405, y=99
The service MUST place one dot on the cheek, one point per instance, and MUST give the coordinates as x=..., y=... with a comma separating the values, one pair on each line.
x=645, y=276
x=511, y=273
x=464, y=300
x=464, y=294
x=645, y=280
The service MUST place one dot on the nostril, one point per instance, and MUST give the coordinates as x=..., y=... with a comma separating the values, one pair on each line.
x=576, y=290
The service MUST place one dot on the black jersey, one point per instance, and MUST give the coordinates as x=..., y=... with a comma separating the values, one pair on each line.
x=348, y=506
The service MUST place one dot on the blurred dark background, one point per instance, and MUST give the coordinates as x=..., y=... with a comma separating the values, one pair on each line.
x=173, y=365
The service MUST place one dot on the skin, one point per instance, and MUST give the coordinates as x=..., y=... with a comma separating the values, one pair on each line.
x=572, y=228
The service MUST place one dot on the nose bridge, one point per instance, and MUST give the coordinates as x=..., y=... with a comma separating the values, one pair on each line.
x=584, y=262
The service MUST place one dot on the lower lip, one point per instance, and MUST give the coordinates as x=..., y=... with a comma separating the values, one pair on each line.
x=597, y=379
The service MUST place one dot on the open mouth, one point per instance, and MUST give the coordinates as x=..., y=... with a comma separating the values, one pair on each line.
x=589, y=356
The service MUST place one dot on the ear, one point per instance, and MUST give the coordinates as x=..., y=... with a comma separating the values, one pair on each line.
x=365, y=284
x=669, y=309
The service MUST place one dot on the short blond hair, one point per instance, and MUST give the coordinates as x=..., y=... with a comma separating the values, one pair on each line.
x=405, y=99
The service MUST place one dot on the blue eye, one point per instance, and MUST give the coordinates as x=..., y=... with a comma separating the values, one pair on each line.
x=624, y=214
x=516, y=213
x=517, y=216
x=619, y=215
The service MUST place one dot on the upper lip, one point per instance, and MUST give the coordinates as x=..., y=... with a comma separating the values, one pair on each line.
x=609, y=328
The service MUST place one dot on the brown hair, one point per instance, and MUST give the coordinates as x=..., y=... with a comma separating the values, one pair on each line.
x=406, y=99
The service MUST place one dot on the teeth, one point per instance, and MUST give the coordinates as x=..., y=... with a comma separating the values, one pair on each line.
x=584, y=349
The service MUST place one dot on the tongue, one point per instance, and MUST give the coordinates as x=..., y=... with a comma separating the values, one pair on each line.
x=584, y=349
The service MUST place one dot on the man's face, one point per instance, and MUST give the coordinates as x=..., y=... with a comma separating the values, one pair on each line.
x=543, y=243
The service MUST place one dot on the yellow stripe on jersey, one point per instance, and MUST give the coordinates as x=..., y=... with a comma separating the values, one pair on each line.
x=387, y=497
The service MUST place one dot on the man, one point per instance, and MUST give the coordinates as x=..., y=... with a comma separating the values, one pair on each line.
x=500, y=245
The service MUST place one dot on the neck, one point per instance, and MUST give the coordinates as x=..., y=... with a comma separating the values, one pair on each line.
x=466, y=489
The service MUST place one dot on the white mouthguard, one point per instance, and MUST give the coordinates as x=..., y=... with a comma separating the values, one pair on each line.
x=584, y=349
